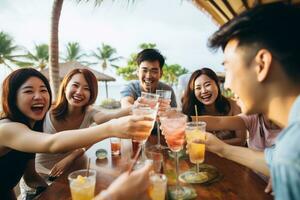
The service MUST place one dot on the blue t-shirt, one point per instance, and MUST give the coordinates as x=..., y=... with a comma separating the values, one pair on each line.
x=284, y=158
x=133, y=89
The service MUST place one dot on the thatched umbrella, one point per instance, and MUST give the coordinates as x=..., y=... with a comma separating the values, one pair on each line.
x=64, y=68
x=224, y=10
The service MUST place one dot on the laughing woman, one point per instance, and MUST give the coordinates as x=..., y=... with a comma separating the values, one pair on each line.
x=25, y=100
x=203, y=90
x=73, y=110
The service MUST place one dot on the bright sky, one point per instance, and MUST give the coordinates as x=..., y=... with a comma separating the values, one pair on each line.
x=179, y=28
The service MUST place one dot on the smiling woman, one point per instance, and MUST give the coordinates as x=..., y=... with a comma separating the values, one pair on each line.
x=203, y=91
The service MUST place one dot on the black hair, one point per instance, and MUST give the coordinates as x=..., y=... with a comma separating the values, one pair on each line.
x=273, y=26
x=189, y=100
x=10, y=87
x=150, y=55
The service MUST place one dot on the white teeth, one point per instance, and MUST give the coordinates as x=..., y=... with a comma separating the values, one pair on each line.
x=77, y=98
x=148, y=81
x=38, y=105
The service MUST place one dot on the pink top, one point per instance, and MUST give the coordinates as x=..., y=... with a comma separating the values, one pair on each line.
x=257, y=140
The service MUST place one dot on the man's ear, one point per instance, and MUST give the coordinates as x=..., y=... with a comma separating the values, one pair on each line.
x=263, y=61
x=161, y=72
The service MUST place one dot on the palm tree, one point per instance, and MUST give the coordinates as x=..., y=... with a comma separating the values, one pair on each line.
x=104, y=54
x=53, y=48
x=54, y=42
x=39, y=57
x=172, y=72
x=7, y=50
x=73, y=52
x=147, y=45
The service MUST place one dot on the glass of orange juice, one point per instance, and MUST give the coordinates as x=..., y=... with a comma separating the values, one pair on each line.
x=195, y=130
x=82, y=184
x=158, y=186
x=144, y=110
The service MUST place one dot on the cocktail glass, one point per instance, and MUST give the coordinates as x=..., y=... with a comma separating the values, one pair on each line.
x=164, y=97
x=173, y=124
x=158, y=186
x=195, y=130
x=150, y=99
x=82, y=184
x=145, y=110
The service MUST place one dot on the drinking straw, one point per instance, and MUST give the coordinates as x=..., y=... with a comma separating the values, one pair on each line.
x=196, y=111
x=88, y=167
x=134, y=159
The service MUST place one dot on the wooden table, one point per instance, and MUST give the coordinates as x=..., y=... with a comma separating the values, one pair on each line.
x=238, y=182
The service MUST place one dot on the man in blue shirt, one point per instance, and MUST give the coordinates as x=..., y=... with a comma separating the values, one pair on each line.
x=262, y=64
x=150, y=69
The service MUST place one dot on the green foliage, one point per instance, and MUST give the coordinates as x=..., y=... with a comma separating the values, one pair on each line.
x=228, y=93
x=129, y=72
x=147, y=46
x=39, y=58
x=172, y=72
x=104, y=55
x=73, y=52
x=8, y=50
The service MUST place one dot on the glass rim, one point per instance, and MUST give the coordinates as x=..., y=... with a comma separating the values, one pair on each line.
x=82, y=170
x=194, y=123
x=114, y=138
x=150, y=94
x=164, y=116
x=162, y=176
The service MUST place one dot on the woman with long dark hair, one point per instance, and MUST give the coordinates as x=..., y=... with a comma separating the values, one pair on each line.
x=203, y=91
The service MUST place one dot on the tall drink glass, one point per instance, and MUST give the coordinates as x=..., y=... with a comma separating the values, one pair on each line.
x=195, y=130
x=164, y=98
x=145, y=110
x=173, y=125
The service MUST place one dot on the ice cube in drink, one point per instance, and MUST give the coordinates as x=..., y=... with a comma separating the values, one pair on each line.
x=82, y=188
x=196, y=151
x=158, y=186
x=82, y=184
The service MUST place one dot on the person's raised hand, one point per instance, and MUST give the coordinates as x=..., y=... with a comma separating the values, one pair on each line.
x=133, y=127
x=129, y=186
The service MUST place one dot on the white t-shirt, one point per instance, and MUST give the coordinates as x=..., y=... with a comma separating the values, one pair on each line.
x=45, y=161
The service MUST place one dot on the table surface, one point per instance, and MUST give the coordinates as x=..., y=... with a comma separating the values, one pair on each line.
x=237, y=182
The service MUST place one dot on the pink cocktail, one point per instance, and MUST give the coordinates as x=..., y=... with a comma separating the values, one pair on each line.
x=173, y=125
x=174, y=130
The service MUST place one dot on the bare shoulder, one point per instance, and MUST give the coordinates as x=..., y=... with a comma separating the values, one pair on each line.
x=235, y=109
x=8, y=129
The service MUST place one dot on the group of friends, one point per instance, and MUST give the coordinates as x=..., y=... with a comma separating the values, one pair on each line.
x=261, y=59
